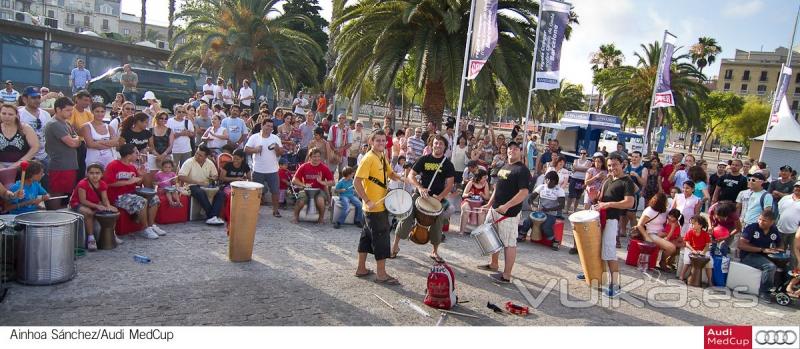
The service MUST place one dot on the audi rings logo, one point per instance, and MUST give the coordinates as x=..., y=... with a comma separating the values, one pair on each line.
x=779, y=337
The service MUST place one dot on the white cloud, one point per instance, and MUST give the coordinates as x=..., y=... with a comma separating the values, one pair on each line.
x=742, y=8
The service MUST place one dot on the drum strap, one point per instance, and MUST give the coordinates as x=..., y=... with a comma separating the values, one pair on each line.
x=99, y=197
x=377, y=181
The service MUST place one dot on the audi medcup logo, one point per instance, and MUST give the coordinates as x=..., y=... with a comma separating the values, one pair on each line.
x=775, y=337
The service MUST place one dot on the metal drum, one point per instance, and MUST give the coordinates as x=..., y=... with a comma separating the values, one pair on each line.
x=147, y=193
x=398, y=202
x=487, y=239
x=8, y=242
x=108, y=221
x=46, y=247
x=537, y=218
x=245, y=200
x=80, y=231
x=475, y=203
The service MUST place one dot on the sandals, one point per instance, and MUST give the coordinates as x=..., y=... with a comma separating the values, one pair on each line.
x=487, y=267
x=390, y=281
x=436, y=259
x=368, y=273
x=499, y=278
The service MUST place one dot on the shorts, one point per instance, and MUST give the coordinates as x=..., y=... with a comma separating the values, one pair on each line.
x=62, y=181
x=688, y=262
x=576, y=186
x=375, y=235
x=133, y=203
x=302, y=197
x=506, y=229
x=609, y=243
x=407, y=224
x=269, y=180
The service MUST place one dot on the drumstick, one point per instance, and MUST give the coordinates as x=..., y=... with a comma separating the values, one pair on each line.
x=59, y=197
x=24, y=166
x=384, y=301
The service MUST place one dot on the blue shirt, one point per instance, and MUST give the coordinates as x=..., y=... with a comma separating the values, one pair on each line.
x=756, y=236
x=532, y=153
x=347, y=185
x=32, y=191
x=754, y=208
x=9, y=97
x=236, y=128
x=80, y=78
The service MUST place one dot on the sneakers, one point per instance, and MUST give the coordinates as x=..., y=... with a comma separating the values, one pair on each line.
x=91, y=244
x=336, y=225
x=215, y=221
x=119, y=241
x=765, y=298
x=158, y=230
x=555, y=245
x=612, y=291
x=581, y=276
x=149, y=233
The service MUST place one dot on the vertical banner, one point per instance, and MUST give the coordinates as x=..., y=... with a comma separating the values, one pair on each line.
x=780, y=95
x=663, y=96
x=552, y=25
x=662, y=133
x=484, y=35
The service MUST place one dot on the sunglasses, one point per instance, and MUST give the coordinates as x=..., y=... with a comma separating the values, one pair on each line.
x=583, y=153
x=127, y=109
x=755, y=180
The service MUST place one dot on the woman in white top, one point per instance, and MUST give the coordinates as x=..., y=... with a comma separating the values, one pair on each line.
x=459, y=158
x=100, y=138
x=577, y=179
x=651, y=224
x=216, y=136
x=228, y=95
x=557, y=165
x=688, y=204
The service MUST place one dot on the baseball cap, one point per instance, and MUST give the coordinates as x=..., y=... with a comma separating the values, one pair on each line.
x=598, y=155
x=31, y=91
x=758, y=175
x=9, y=82
x=723, y=163
x=786, y=168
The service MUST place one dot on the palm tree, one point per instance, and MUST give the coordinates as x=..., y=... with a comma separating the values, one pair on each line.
x=171, y=18
x=608, y=56
x=629, y=89
x=553, y=103
x=704, y=52
x=377, y=37
x=142, y=31
x=246, y=39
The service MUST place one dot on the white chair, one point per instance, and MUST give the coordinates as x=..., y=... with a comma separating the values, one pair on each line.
x=337, y=210
x=745, y=277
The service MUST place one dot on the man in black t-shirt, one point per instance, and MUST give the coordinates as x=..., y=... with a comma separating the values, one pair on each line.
x=616, y=197
x=729, y=185
x=714, y=178
x=504, y=207
x=426, y=167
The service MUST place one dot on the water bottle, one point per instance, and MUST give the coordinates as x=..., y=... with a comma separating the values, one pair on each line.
x=644, y=262
x=141, y=259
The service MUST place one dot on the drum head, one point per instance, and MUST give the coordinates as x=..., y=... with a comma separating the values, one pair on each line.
x=247, y=185
x=538, y=216
x=46, y=218
x=398, y=202
x=584, y=216
x=429, y=205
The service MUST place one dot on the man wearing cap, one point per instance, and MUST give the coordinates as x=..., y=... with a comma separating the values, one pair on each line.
x=789, y=220
x=79, y=77
x=783, y=185
x=9, y=94
x=129, y=80
x=751, y=202
x=36, y=117
x=730, y=185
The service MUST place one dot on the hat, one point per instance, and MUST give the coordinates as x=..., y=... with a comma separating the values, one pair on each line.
x=797, y=184
x=282, y=161
x=31, y=91
x=786, y=168
x=9, y=82
x=597, y=154
x=724, y=163
x=472, y=163
x=149, y=95
x=515, y=144
x=758, y=175
x=359, y=122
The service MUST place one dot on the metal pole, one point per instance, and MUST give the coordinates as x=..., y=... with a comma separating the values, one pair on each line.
x=533, y=72
x=464, y=68
x=780, y=74
x=653, y=96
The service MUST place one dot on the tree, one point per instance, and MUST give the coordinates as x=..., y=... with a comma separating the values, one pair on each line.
x=704, y=52
x=717, y=110
x=142, y=31
x=377, y=37
x=314, y=29
x=607, y=57
x=171, y=18
x=747, y=124
x=555, y=102
x=246, y=39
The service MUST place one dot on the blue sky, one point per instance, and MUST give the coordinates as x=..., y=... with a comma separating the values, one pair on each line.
x=736, y=24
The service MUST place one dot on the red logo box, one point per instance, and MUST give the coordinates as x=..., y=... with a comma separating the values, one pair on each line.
x=727, y=337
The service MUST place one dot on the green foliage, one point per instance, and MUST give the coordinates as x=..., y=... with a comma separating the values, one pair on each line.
x=704, y=52
x=553, y=103
x=718, y=107
x=314, y=29
x=750, y=123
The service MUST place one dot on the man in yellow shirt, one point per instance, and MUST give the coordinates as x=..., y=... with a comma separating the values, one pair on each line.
x=371, y=186
x=81, y=114
x=197, y=172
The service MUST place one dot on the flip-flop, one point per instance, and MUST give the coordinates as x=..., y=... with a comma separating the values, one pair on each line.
x=393, y=255
x=390, y=281
x=436, y=259
x=499, y=278
x=368, y=273
x=487, y=267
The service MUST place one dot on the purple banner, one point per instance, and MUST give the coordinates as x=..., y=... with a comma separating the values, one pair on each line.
x=484, y=35
x=664, y=96
x=552, y=26
x=780, y=93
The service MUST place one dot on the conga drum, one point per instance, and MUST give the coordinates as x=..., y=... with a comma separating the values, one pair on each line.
x=427, y=209
x=698, y=261
x=588, y=240
x=245, y=201
x=311, y=205
x=537, y=218
x=475, y=203
x=107, y=220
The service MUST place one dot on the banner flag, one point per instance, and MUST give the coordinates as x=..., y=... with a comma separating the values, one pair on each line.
x=779, y=104
x=484, y=36
x=552, y=25
x=663, y=97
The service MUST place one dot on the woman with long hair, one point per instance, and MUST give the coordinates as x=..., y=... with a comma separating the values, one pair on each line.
x=699, y=177
x=19, y=142
x=161, y=141
x=101, y=139
x=595, y=176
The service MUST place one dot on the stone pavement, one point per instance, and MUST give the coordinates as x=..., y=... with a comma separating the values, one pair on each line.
x=302, y=274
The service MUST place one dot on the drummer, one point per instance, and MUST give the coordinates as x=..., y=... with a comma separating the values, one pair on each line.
x=33, y=192
x=428, y=186
x=552, y=199
x=122, y=177
x=759, y=240
x=371, y=186
x=198, y=172
x=477, y=188
x=90, y=196
x=313, y=174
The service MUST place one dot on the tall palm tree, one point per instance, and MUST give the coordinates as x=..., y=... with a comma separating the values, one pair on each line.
x=608, y=56
x=171, y=18
x=555, y=102
x=377, y=37
x=246, y=39
x=704, y=52
x=142, y=31
x=630, y=88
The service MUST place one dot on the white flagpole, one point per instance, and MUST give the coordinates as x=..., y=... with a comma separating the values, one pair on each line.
x=464, y=70
x=530, y=84
x=788, y=64
x=667, y=65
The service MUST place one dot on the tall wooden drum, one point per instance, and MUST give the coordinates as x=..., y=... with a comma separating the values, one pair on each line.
x=245, y=203
x=588, y=240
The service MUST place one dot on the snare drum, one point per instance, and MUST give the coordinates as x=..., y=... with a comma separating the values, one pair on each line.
x=245, y=199
x=475, y=203
x=487, y=240
x=588, y=240
x=399, y=203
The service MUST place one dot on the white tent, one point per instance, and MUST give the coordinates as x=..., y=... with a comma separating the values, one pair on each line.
x=783, y=143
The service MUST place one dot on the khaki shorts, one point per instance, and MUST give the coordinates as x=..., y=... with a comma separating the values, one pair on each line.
x=301, y=196
x=506, y=229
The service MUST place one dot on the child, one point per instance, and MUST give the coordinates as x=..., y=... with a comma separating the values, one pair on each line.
x=671, y=233
x=478, y=186
x=285, y=178
x=91, y=196
x=166, y=179
x=552, y=199
x=33, y=192
x=362, y=153
x=347, y=196
x=397, y=168
x=237, y=169
x=697, y=240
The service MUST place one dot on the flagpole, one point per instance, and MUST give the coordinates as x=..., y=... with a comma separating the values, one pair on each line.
x=647, y=126
x=777, y=89
x=464, y=70
x=533, y=72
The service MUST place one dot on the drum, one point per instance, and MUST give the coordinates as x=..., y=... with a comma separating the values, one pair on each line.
x=56, y=203
x=245, y=200
x=108, y=221
x=146, y=193
x=46, y=247
x=588, y=240
x=487, y=239
x=538, y=219
x=698, y=261
x=8, y=243
x=475, y=203
x=398, y=202
x=311, y=206
x=427, y=210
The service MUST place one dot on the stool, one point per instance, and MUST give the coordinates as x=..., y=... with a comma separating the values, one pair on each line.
x=126, y=225
x=634, y=250
x=337, y=210
x=167, y=214
x=744, y=277
x=558, y=233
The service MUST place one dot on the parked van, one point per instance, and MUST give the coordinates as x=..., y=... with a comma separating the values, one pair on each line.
x=632, y=141
x=169, y=87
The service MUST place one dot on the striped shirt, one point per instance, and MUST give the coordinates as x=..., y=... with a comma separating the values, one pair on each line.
x=415, y=147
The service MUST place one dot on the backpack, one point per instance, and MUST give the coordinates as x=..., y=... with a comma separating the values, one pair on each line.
x=441, y=292
x=774, y=204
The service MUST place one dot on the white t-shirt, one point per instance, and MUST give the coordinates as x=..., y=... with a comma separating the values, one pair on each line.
x=266, y=161
x=243, y=93
x=182, y=144
x=209, y=87
x=686, y=206
x=227, y=96
x=218, y=92
x=790, y=214
x=656, y=220
x=548, y=197
x=30, y=119
x=300, y=108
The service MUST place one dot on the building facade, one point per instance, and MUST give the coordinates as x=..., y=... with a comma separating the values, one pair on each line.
x=755, y=73
x=131, y=25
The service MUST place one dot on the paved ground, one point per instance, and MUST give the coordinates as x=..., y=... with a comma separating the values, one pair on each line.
x=302, y=275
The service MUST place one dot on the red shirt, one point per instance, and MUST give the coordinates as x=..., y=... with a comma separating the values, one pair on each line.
x=697, y=241
x=117, y=171
x=308, y=174
x=666, y=184
x=91, y=195
x=284, y=175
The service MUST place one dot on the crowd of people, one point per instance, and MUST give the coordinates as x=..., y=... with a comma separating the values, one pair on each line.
x=99, y=154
